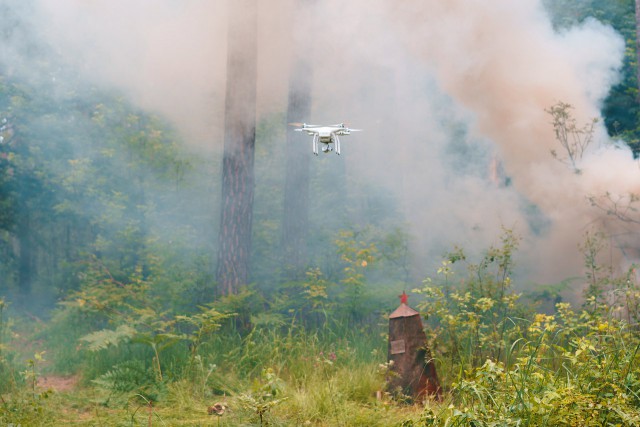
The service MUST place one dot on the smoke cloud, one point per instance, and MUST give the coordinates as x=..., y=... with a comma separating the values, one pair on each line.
x=506, y=65
x=445, y=91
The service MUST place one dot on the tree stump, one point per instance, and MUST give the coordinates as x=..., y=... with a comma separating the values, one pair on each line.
x=413, y=369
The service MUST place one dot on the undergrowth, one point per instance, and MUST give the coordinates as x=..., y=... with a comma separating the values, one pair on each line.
x=501, y=361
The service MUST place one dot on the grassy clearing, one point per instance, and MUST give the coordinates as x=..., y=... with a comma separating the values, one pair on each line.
x=288, y=378
x=500, y=361
x=568, y=368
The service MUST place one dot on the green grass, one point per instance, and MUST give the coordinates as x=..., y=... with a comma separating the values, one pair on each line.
x=315, y=380
x=500, y=363
x=568, y=368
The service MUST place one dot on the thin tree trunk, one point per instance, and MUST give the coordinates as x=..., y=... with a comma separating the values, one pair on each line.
x=25, y=255
x=239, y=143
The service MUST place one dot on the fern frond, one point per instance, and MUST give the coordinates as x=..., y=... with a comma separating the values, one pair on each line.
x=102, y=339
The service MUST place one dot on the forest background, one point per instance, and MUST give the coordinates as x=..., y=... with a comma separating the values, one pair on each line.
x=111, y=209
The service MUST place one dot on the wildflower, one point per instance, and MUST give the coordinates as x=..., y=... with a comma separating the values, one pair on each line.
x=543, y=322
x=484, y=304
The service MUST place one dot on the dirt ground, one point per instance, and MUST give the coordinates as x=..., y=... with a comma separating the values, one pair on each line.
x=58, y=383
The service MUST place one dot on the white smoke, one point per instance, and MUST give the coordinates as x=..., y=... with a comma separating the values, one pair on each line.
x=440, y=87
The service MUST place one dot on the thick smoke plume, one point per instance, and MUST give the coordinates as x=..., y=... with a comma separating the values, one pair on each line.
x=508, y=68
x=445, y=90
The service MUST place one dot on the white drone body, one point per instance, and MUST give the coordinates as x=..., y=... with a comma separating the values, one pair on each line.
x=325, y=135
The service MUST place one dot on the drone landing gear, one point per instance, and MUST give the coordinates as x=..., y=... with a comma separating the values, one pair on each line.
x=316, y=137
x=336, y=141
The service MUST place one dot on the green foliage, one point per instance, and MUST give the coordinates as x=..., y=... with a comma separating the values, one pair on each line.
x=566, y=368
x=80, y=172
x=202, y=325
x=620, y=109
x=116, y=319
x=130, y=379
x=264, y=395
x=6, y=369
x=26, y=405
x=102, y=339
x=303, y=356
x=479, y=318
x=597, y=276
x=500, y=362
x=356, y=255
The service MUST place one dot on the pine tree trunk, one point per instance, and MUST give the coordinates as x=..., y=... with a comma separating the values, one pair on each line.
x=25, y=255
x=234, y=244
x=296, y=187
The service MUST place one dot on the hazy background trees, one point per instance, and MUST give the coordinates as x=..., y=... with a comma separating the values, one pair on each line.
x=87, y=178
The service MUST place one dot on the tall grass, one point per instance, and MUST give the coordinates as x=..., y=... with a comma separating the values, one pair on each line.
x=501, y=363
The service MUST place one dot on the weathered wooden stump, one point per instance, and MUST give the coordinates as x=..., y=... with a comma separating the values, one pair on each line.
x=414, y=372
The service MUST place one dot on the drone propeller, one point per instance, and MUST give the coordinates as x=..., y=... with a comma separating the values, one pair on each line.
x=303, y=125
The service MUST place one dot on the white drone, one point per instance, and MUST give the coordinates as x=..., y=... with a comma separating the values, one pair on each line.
x=325, y=134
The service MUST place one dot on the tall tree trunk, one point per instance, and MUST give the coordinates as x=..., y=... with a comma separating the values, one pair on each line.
x=25, y=255
x=234, y=244
x=296, y=186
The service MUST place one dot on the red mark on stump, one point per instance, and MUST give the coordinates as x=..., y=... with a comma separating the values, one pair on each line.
x=403, y=298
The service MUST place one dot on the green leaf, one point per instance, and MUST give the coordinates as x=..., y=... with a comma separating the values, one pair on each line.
x=102, y=339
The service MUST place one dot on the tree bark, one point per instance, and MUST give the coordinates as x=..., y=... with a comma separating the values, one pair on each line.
x=25, y=255
x=296, y=187
x=234, y=241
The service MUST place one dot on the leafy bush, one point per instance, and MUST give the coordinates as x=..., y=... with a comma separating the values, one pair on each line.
x=510, y=366
x=481, y=317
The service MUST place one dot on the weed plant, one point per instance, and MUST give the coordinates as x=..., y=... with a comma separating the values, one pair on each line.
x=507, y=365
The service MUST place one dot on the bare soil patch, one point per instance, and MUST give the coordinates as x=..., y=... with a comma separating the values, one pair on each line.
x=58, y=383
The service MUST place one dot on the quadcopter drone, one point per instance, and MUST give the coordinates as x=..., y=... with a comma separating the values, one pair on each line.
x=325, y=134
